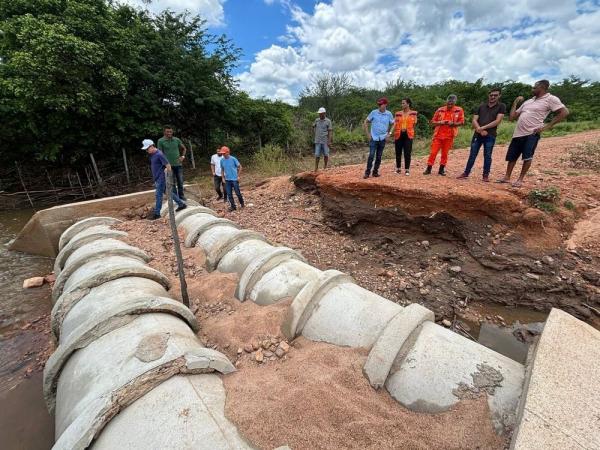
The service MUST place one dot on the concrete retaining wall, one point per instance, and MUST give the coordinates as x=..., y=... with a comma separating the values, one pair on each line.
x=128, y=360
x=424, y=366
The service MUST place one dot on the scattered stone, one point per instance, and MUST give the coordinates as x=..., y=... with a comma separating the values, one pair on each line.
x=446, y=323
x=425, y=243
x=532, y=276
x=549, y=260
x=248, y=348
x=259, y=356
x=268, y=354
x=50, y=278
x=424, y=291
x=284, y=346
x=33, y=282
x=455, y=269
x=279, y=352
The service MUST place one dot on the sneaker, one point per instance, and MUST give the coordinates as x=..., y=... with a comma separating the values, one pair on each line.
x=232, y=209
x=365, y=176
x=397, y=170
x=427, y=171
x=486, y=179
x=181, y=208
x=407, y=172
x=442, y=171
x=154, y=217
x=376, y=175
x=462, y=175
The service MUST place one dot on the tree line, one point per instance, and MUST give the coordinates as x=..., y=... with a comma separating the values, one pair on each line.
x=94, y=76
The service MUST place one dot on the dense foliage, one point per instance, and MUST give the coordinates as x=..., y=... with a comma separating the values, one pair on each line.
x=95, y=76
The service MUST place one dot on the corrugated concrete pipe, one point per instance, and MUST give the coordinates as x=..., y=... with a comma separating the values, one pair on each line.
x=129, y=371
x=424, y=366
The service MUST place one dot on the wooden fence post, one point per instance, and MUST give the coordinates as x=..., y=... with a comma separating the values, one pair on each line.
x=125, y=163
x=192, y=155
x=23, y=183
x=96, y=169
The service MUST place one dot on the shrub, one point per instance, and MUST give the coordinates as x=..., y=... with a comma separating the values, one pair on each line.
x=271, y=160
x=569, y=205
x=545, y=199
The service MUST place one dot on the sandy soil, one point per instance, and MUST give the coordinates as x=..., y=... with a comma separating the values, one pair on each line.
x=304, y=394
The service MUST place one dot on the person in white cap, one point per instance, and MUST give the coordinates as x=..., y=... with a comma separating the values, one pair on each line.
x=323, y=133
x=159, y=166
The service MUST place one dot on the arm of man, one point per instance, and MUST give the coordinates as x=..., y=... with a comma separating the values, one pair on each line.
x=514, y=112
x=239, y=168
x=212, y=167
x=475, y=123
x=416, y=114
x=436, y=119
x=461, y=118
x=366, y=126
x=494, y=123
x=559, y=116
x=329, y=136
x=182, y=151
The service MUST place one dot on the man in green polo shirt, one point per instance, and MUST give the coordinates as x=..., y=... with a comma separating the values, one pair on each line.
x=174, y=150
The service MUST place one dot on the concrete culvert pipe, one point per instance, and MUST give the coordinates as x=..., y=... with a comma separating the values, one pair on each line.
x=84, y=224
x=123, y=346
x=328, y=306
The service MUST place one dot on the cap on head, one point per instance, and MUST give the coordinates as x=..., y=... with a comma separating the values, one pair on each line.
x=382, y=101
x=147, y=143
x=225, y=150
x=321, y=110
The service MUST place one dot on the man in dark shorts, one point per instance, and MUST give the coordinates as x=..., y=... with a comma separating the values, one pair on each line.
x=486, y=119
x=530, y=118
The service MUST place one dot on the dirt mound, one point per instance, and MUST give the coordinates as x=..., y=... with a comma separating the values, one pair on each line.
x=319, y=399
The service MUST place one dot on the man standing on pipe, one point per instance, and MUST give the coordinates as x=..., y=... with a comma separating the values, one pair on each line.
x=231, y=170
x=446, y=120
x=159, y=165
x=380, y=120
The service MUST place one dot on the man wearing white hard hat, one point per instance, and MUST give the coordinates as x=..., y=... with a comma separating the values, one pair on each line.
x=159, y=166
x=323, y=132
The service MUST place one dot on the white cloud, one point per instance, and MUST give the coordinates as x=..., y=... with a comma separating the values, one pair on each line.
x=429, y=42
x=211, y=10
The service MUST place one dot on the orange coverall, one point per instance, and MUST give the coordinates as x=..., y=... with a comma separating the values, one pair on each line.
x=443, y=136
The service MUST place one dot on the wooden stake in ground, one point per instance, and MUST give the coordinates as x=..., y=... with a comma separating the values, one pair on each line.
x=23, y=183
x=125, y=163
x=52, y=185
x=80, y=185
x=96, y=168
x=192, y=155
x=182, y=282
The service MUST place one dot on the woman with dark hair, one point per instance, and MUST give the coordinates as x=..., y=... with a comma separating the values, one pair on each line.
x=404, y=133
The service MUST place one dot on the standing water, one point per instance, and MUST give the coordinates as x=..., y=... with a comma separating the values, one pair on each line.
x=24, y=420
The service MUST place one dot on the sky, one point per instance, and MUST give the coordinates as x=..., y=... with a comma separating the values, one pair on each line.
x=285, y=43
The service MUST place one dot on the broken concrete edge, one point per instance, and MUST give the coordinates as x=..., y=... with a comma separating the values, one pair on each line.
x=114, y=272
x=76, y=243
x=61, y=308
x=393, y=337
x=72, y=266
x=84, y=224
x=96, y=327
x=214, y=256
x=192, y=236
x=261, y=265
x=90, y=423
x=307, y=300
x=164, y=209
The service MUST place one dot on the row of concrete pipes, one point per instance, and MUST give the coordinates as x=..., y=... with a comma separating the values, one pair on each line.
x=123, y=341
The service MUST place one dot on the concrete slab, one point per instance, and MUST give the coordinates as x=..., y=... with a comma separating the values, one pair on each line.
x=41, y=234
x=184, y=412
x=560, y=408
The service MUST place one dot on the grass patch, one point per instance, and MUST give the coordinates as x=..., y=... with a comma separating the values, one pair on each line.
x=569, y=205
x=545, y=199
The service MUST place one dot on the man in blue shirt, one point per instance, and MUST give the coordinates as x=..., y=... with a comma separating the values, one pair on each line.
x=230, y=171
x=159, y=165
x=380, y=120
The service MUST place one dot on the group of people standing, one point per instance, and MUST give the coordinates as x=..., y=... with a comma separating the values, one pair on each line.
x=380, y=125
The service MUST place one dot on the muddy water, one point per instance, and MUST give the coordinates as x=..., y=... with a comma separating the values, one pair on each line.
x=24, y=420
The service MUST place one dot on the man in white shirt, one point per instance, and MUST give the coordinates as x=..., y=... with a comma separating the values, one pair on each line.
x=215, y=168
x=530, y=118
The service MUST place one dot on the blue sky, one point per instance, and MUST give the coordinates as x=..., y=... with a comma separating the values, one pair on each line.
x=287, y=42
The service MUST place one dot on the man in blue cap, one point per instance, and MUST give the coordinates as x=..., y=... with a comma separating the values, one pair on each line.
x=159, y=166
x=380, y=120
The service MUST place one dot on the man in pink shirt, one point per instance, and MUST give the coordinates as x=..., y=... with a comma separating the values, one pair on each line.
x=530, y=118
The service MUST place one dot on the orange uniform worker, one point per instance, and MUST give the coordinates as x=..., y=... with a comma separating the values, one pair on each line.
x=446, y=120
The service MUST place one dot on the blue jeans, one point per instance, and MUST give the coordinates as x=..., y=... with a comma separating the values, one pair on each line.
x=178, y=181
x=161, y=186
x=488, y=146
x=375, y=152
x=233, y=185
